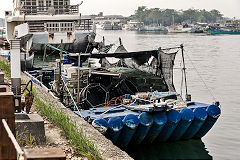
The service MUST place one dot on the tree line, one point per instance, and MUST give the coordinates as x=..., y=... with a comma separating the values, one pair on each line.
x=166, y=17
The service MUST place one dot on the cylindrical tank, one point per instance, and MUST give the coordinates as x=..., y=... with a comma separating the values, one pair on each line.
x=187, y=117
x=213, y=112
x=159, y=120
x=145, y=123
x=101, y=125
x=130, y=124
x=173, y=117
x=200, y=116
x=115, y=126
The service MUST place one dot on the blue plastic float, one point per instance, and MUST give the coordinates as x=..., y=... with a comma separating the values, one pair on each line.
x=124, y=126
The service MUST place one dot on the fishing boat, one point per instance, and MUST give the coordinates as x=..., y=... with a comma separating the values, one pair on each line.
x=153, y=29
x=133, y=101
x=223, y=30
x=54, y=22
x=179, y=29
x=196, y=29
x=134, y=25
x=108, y=25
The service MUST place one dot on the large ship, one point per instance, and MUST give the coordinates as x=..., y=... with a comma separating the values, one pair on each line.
x=43, y=23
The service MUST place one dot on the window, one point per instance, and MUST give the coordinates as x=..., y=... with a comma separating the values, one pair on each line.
x=41, y=3
x=48, y=3
x=29, y=6
x=59, y=27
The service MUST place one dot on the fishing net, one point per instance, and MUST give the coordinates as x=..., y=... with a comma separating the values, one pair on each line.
x=156, y=62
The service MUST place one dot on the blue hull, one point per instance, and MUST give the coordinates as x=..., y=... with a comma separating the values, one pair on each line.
x=124, y=127
x=223, y=31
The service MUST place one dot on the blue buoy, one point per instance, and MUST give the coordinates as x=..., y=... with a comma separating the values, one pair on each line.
x=101, y=125
x=115, y=126
x=145, y=123
x=213, y=112
x=200, y=115
x=187, y=117
x=173, y=117
x=159, y=120
x=130, y=124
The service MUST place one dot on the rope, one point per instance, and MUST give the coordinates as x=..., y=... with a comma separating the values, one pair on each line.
x=100, y=116
x=209, y=90
x=70, y=95
x=181, y=84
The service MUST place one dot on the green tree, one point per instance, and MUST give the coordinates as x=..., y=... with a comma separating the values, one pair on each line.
x=165, y=17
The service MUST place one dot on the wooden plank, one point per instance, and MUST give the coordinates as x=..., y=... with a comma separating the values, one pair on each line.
x=6, y=106
x=7, y=112
x=1, y=77
x=44, y=154
x=3, y=88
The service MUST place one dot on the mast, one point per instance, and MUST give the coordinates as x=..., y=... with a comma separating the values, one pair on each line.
x=78, y=88
x=184, y=70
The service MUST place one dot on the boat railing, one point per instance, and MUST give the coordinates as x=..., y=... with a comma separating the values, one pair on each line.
x=50, y=10
x=84, y=24
x=53, y=27
x=59, y=26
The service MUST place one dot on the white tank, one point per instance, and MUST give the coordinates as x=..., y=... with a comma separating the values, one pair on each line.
x=71, y=70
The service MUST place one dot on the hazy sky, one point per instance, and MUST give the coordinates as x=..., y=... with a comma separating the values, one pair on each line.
x=230, y=8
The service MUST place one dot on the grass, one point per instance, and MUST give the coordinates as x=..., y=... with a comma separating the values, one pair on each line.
x=5, y=66
x=75, y=134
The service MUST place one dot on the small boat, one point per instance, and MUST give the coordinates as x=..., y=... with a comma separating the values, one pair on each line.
x=134, y=101
x=134, y=25
x=223, y=30
x=153, y=29
x=196, y=29
x=179, y=29
x=108, y=25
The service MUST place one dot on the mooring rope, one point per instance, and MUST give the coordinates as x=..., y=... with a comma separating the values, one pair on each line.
x=209, y=90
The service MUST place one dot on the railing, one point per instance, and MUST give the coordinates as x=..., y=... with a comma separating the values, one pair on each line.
x=14, y=141
x=84, y=24
x=51, y=10
x=54, y=27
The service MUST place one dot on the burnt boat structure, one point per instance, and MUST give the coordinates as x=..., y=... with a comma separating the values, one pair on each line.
x=132, y=101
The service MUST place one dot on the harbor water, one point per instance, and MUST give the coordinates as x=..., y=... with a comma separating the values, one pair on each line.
x=213, y=73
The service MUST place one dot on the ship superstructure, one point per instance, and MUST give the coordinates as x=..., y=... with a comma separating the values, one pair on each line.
x=41, y=22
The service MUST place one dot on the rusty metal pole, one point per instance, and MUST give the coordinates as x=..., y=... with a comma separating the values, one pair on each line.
x=60, y=72
x=16, y=73
x=184, y=71
x=78, y=96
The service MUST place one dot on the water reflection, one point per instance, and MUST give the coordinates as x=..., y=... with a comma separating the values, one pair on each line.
x=191, y=149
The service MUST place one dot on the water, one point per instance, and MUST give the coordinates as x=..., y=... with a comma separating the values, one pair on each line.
x=217, y=60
